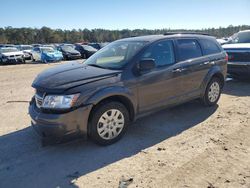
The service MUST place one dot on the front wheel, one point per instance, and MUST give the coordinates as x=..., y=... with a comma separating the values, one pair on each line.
x=213, y=92
x=108, y=123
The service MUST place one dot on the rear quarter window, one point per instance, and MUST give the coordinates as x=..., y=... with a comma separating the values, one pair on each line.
x=209, y=47
x=188, y=49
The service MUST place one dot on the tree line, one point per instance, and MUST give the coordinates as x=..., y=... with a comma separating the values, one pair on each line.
x=47, y=35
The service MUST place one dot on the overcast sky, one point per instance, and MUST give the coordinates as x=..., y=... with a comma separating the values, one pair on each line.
x=122, y=14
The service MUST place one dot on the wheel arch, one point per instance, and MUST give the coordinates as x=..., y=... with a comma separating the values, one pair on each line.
x=214, y=72
x=116, y=93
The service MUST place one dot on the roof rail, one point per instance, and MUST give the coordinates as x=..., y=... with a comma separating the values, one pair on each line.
x=193, y=33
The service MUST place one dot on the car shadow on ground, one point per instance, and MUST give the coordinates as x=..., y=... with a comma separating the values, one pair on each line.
x=237, y=88
x=25, y=163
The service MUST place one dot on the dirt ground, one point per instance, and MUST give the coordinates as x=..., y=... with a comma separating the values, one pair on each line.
x=185, y=146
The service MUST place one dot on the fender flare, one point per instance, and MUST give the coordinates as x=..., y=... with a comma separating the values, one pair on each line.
x=114, y=91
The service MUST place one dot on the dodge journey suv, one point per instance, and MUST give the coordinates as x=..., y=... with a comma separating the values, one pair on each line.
x=124, y=81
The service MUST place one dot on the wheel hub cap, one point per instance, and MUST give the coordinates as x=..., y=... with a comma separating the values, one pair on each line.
x=110, y=124
x=214, y=92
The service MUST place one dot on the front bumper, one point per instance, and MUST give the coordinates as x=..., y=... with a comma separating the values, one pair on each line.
x=240, y=69
x=71, y=56
x=12, y=60
x=58, y=127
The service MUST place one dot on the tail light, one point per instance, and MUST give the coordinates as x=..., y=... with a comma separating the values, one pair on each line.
x=226, y=58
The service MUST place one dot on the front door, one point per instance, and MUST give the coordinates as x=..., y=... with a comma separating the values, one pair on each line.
x=160, y=86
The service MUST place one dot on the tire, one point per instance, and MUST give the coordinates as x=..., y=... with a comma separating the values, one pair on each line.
x=213, y=92
x=105, y=128
x=32, y=59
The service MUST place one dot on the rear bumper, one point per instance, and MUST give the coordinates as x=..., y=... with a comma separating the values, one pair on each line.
x=58, y=127
x=241, y=69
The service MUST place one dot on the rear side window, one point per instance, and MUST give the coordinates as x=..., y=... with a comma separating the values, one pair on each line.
x=188, y=49
x=162, y=52
x=209, y=47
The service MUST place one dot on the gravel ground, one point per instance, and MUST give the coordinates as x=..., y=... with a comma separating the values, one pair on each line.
x=185, y=146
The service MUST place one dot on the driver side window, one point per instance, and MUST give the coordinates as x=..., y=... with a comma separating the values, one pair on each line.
x=162, y=52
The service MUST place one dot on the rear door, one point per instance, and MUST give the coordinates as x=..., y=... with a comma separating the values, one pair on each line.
x=193, y=66
x=213, y=52
x=36, y=54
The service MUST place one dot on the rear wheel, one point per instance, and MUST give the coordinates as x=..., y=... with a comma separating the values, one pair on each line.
x=213, y=92
x=108, y=123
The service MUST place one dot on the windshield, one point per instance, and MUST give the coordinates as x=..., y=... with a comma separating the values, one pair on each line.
x=115, y=55
x=47, y=49
x=67, y=48
x=89, y=48
x=241, y=37
x=6, y=50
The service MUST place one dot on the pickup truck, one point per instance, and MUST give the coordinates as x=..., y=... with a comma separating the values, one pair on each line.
x=238, y=50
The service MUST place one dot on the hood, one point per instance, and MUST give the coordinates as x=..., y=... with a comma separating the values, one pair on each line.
x=236, y=46
x=12, y=53
x=69, y=75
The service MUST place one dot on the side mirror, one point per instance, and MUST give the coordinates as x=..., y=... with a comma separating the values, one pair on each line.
x=146, y=65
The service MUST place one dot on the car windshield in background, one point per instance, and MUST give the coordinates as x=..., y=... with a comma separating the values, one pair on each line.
x=6, y=50
x=242, y=37
x=115, y=55
x=47, y=49
x=67, y=48
x=89, y=48
x=26, y=48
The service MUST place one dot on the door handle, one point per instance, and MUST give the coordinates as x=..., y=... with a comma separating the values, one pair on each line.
x=178, y=70
x=208, y=63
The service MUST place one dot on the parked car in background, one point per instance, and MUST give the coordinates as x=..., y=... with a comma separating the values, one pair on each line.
x=7, y=45
x=49, y=46
x=69, y=52
x=97, y=46
x=85, y=50
x=11, y=55
x=222, y=41
x=238, y=50
x=36, y=45
x=126, y=80
x=46, y=54
x=26, y=49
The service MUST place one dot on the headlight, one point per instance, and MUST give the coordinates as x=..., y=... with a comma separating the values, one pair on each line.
x=59, y=101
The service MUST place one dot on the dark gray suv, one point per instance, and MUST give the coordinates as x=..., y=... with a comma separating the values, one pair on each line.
x=123, y=81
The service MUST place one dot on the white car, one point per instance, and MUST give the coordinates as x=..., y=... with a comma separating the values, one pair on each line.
x=238, y=50
x=26, y=49
x=11, y=55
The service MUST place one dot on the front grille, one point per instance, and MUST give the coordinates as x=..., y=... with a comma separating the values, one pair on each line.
x=39, y=101
x=238, y=56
